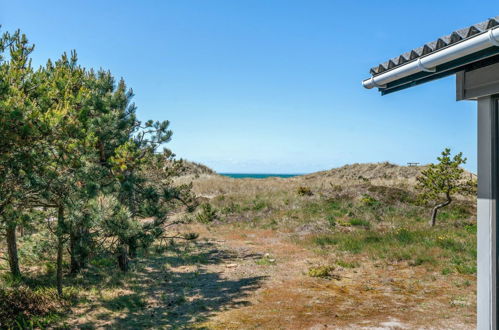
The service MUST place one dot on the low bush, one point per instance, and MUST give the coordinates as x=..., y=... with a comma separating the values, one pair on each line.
x=259, y=204
x=321, y=271
x=231, y=208
x=23, y=307
x=304, y=191
x=370, y=201
x=208, y=214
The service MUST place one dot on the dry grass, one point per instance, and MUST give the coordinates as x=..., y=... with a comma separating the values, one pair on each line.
x=379, y=174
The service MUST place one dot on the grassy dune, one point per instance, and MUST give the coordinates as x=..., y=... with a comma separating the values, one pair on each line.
x=360, y=218
x=362, y=209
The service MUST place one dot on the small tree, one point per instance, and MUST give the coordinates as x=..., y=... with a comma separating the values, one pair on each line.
x=440, y=182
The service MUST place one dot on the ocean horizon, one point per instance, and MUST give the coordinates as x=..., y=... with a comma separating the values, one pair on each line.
x=258, y=175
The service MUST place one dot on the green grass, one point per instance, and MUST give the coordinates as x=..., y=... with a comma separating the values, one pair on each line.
x=360, y=223
x=347, y=264
x=265, y=261
x=381, y=222
x=130, y=302
x=449, y=248
x=331, y=221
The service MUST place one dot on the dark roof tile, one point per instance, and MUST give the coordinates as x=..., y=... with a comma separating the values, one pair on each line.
x=455, y=37
x=401, y=60
x=413, y=55
x=472, y=31
x=492, y=22
x=440, y=43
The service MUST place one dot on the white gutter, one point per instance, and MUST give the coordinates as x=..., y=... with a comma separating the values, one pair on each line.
x=429, y=62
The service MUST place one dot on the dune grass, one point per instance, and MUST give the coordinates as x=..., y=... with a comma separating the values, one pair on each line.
x=382, y=221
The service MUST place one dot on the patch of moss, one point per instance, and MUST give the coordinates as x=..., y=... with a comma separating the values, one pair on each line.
x=321, y=271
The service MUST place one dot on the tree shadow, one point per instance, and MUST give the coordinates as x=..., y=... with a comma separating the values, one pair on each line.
x=176, y=290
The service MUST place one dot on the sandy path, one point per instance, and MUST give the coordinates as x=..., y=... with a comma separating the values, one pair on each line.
x=233, y=278
x=372, y=296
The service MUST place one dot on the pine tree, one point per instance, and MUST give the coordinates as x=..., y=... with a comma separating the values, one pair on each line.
x=440, y=182
x=69, y=144
x=72, y=145
x=19, y=145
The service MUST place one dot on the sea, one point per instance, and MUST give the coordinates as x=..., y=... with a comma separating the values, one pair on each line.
x=258, y=175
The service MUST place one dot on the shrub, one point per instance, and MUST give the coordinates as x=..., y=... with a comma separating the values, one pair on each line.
x=304, y=191
x=19, y=306
x=368, y=200
x=322, y=271
x=232, y=208
x=360, y=223
x=191, y=236
x=360, y=177
x=331, y=220
x=208, y=214
x=259, y=204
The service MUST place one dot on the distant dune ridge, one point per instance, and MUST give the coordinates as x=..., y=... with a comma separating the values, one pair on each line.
x=373, y=171
x=354, y=179
x=193, y=168
x=370, y=171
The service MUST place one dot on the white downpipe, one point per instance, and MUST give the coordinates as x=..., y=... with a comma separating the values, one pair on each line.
x=430, y=61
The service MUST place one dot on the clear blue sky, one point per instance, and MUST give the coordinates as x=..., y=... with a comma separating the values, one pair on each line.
x=268, y=86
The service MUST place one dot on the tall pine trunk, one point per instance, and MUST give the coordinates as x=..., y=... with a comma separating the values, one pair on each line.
x=132, y=247
x=78, y=252
x=73, y=248
x=123, y=261
x=60, y=248
x=12, y=250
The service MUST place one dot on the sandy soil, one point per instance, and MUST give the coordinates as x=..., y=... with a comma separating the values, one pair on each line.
x=372, y=296
x=234, y=278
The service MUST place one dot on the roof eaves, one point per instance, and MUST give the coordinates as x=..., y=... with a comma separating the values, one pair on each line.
x=441, y=43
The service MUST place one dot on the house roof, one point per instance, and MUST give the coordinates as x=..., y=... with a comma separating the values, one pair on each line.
x=436, y=45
